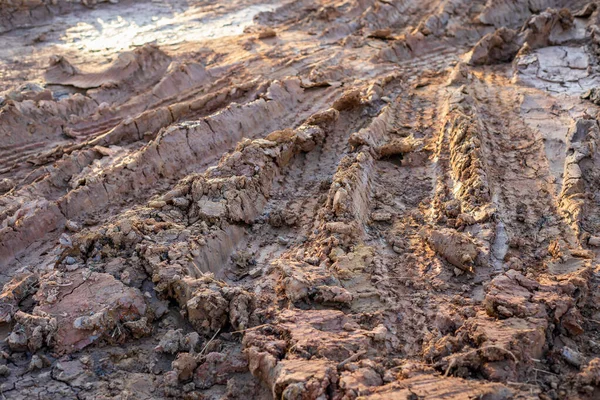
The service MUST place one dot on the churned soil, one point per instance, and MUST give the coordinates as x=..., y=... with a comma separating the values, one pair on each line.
x=333, y=199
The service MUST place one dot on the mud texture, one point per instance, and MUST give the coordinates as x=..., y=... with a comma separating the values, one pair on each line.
x=357, y=199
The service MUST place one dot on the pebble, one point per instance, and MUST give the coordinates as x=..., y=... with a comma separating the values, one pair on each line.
x=381, y=216
x=157, y=204
x=571, y=356
x=65, y=240
x=72, y=226
x=36, y=363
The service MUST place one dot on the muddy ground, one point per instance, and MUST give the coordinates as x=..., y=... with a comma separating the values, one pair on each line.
x=335, y=199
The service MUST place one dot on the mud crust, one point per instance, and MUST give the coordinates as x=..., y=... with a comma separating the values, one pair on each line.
x=361, y=199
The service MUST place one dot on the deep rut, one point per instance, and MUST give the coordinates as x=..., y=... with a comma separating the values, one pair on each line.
x=519, y=170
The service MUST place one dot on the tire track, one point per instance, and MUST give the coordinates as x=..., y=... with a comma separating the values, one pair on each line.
x=518, y=169
x=309, y=175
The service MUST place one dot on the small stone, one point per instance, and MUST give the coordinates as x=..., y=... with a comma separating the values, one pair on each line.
x=255, y=272
x=4, y=370
x=379, y=333
x=181, y=202
x=70, y=260
x=339, y=227
x=385, y=33
x=184, y=365
x=381, y=216
x=6, y=184
x=505, y=312
x=85, y=360
x=72, y=226
x=65, y=240
x=35, y=363
x=72, y=267
x=192, y=340
x=571, y=356
x=157, y=204
x=171, y=342
x=17, y=341
x=350, y=326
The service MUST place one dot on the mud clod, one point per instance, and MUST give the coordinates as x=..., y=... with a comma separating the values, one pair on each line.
x=456, y=248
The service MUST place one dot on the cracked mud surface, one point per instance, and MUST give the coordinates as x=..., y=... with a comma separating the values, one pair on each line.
x=374, y=199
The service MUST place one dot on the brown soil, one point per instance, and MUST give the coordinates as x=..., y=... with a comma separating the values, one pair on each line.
x=335, y=199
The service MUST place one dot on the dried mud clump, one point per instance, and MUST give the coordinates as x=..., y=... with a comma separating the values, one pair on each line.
x=85, y=315
x=456, y=248
x=500, y=46
x=579, y=176
x=550, y=27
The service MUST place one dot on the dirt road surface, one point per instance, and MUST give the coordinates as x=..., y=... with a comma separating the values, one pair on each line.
x=333, y=199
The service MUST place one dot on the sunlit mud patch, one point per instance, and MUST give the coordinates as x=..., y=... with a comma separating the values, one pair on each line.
x=103, y=29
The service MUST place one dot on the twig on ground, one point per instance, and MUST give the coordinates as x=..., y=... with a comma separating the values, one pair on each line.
x=207, y=343
x=352, y=358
